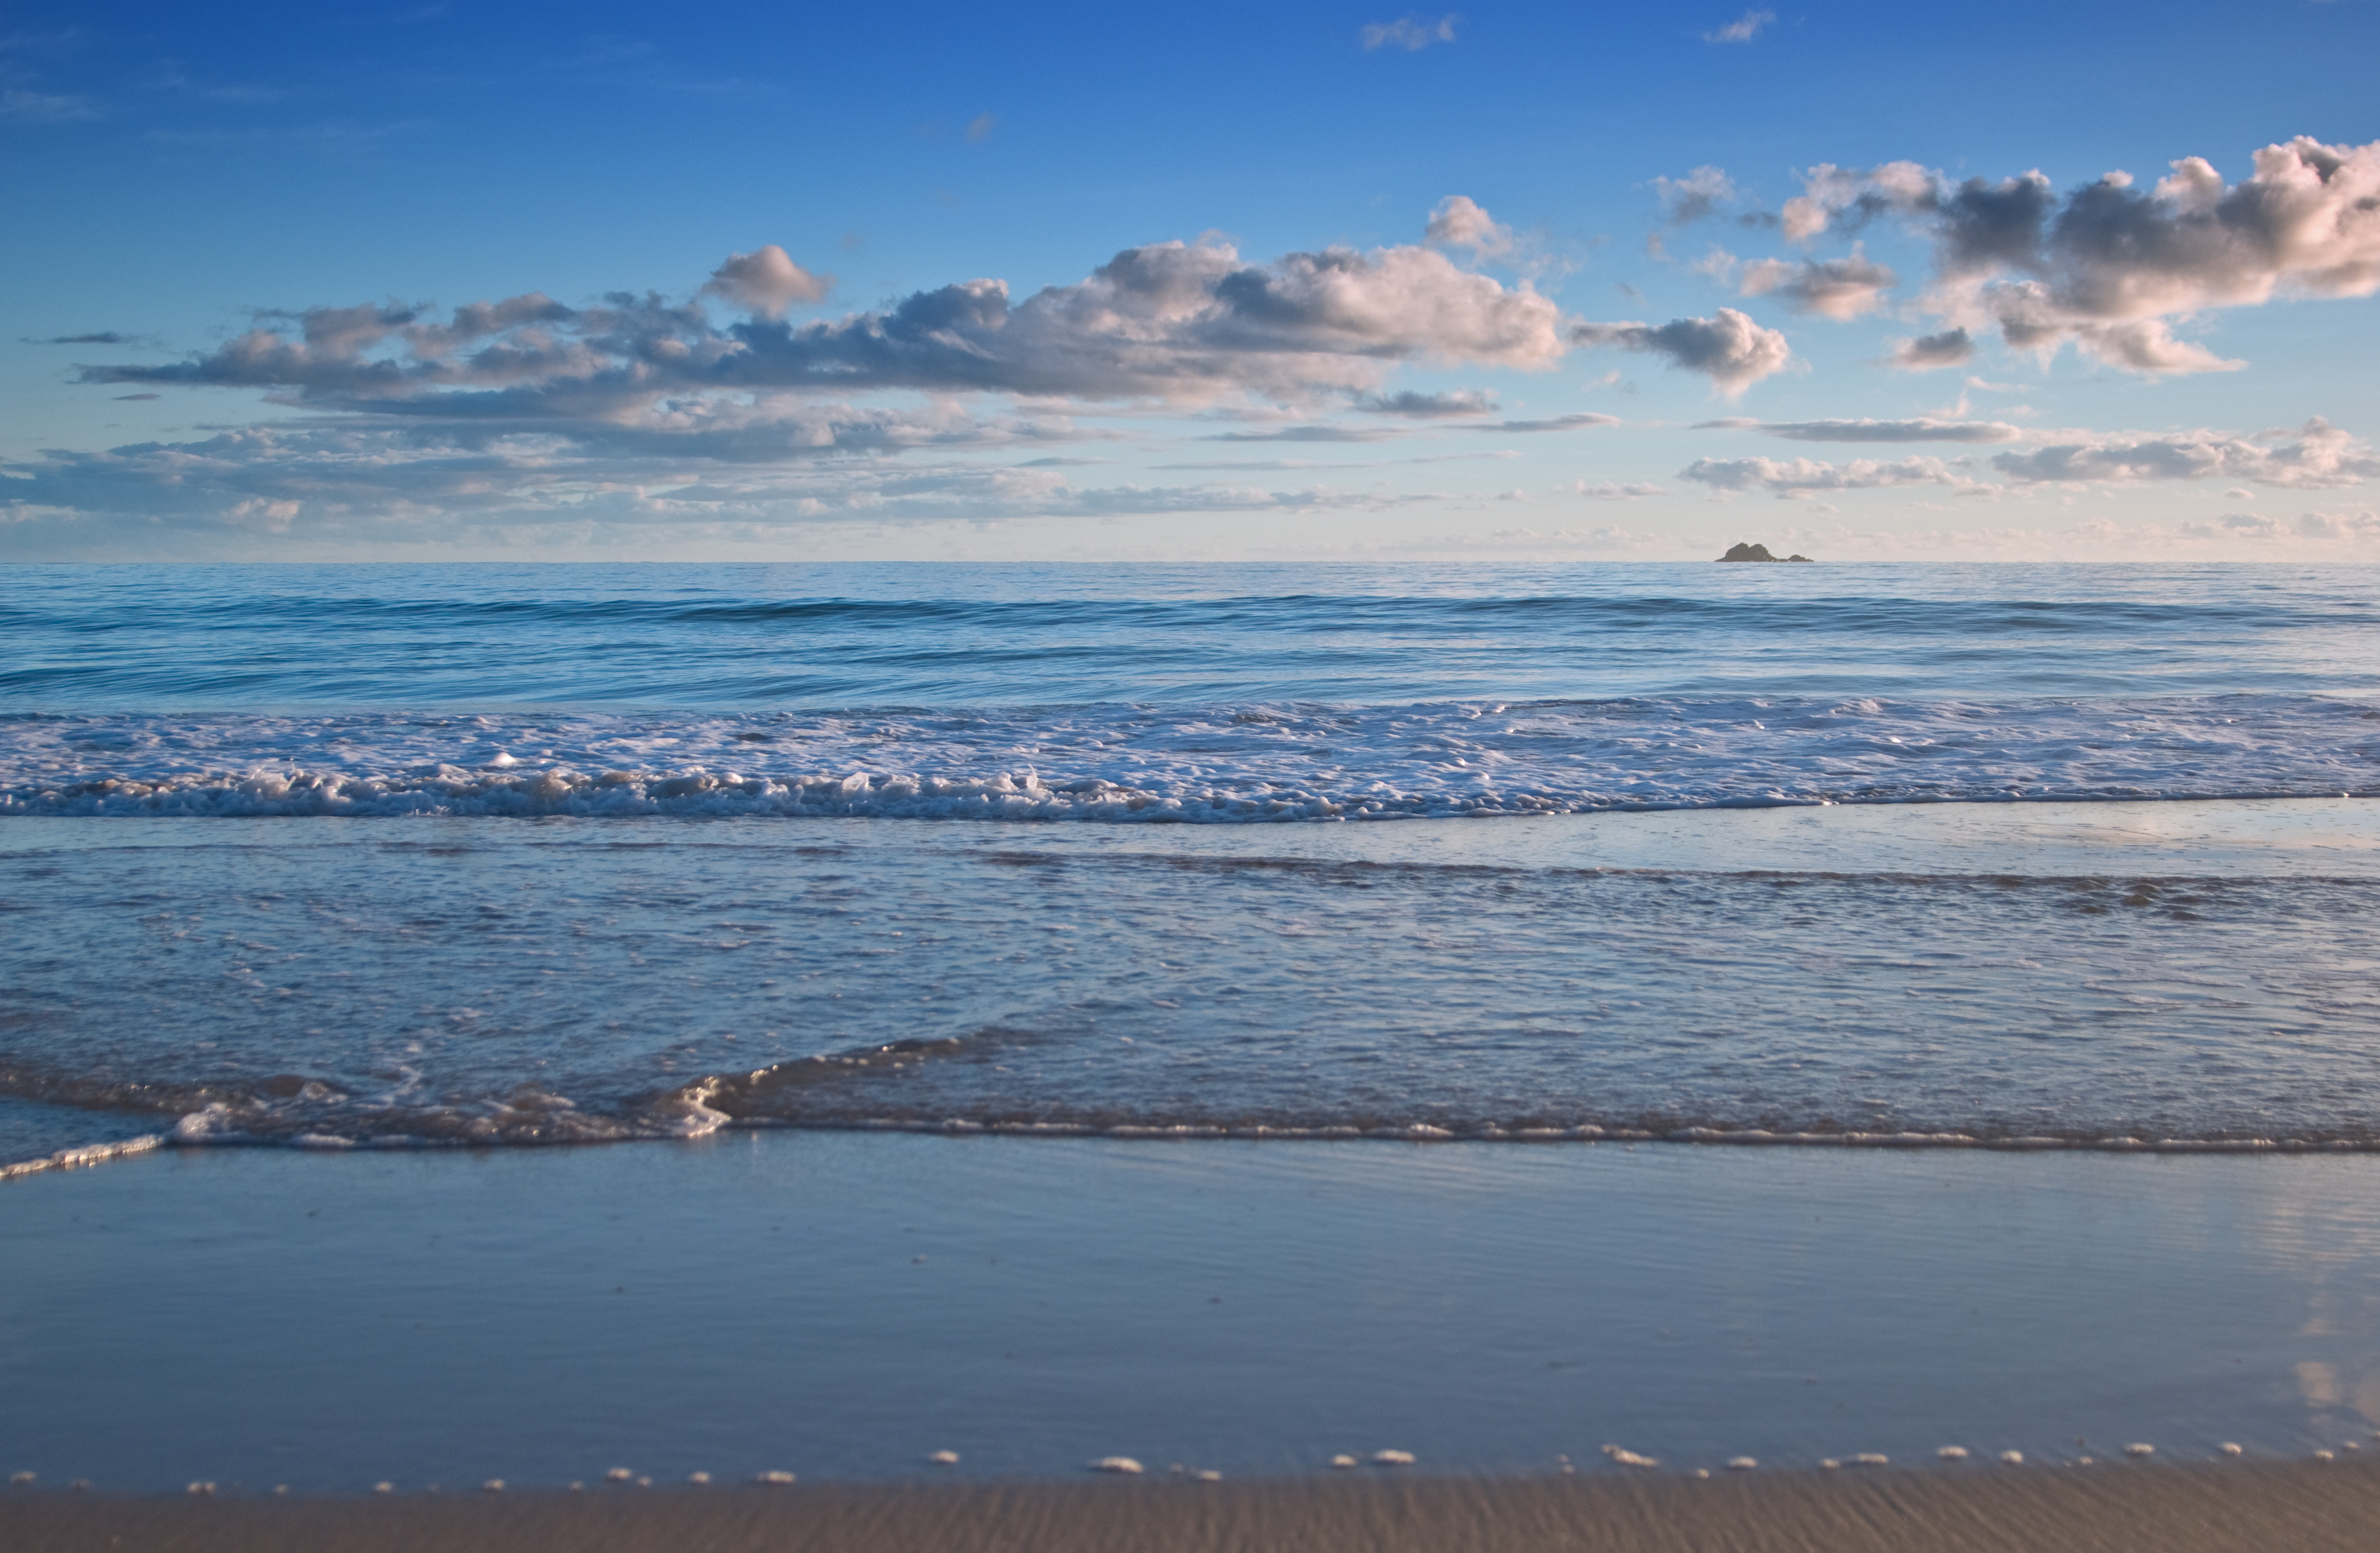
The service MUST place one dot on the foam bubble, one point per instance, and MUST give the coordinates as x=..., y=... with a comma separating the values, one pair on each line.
x=1221, y=764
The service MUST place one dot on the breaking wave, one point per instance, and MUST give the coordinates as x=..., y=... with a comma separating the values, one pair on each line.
x=1214, y=764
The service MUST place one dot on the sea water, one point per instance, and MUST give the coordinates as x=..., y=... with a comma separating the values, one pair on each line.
x=1303, y=995
x=375, y=856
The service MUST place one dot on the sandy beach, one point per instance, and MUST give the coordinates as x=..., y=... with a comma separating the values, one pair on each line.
x=2304, y=1508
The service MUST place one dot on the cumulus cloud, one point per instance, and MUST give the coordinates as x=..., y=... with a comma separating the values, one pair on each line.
x=1797, y=478
x=1742, y=29
x=1833, y=196
x=765, y=282
x=1926, y=353
x=2109, y=265
x=1837, y=288
x=1612, y=491
x=1699, y=194
x=1460, y=222
x=1923, y=429
x=2317, y=455
x=1167, y=321
x=1730, y=349
x=1411, y=33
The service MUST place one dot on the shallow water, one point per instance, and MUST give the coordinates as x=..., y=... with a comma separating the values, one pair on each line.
x=2050, y=974
x=376, y=861
x=391, y=854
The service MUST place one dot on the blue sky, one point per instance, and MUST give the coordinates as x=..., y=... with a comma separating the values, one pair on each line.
x=1513, y=280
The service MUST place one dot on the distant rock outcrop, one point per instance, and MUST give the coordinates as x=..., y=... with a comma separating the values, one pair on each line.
x=1756, y=553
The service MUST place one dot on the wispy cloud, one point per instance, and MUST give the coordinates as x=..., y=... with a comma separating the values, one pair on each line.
x=1918, y=431
x=101, y=337
x=330, y=485
x=633, y=66
x=27, y=107
x=1742, y=29
x=1315, y=434
x=2317, y=455
x=1429, y=407
x=1697, y=195
x=1411, y=33
x=1799, y=478
x=1582, y=421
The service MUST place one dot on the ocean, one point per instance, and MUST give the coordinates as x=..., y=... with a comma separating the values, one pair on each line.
x=1314, y=1009
x=409, y=856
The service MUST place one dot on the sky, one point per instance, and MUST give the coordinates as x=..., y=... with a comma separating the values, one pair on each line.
x=784, y=282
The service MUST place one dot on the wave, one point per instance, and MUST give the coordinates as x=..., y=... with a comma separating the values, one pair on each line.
x=1898, y=615
x=1206, y=764
x=808, y=1094
x=732, y=637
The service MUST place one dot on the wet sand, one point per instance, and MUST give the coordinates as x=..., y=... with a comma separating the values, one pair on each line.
x=843, y=1305
x=2303, y=1507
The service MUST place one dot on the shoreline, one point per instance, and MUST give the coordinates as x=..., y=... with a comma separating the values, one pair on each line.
x=2197, y=1509
x=844, y=1306
x=90, y=1156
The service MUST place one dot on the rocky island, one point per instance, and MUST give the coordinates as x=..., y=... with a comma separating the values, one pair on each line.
x=1757, y=552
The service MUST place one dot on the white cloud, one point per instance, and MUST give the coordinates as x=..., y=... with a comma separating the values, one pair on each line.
x=2109, y=266
x=1828, y=193
x=1582, y=421
x=1698, y=194
x=1411, y=33
x=1923, y=429
x=1613, y=490
x=1167, y=321
x=1837, y=288
x=2317, y=455
x=1797, y=478
x=1730, y=349
x=1460, y=222
x=1742, y=29
x=2339, y=525
x=1315, y=434
x=766, y=282
x=1429, y=407
x=44, y=107
x=344, y=485
x=1926, y=353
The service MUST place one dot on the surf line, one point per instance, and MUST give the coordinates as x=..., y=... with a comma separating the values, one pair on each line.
x=83, y=1157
